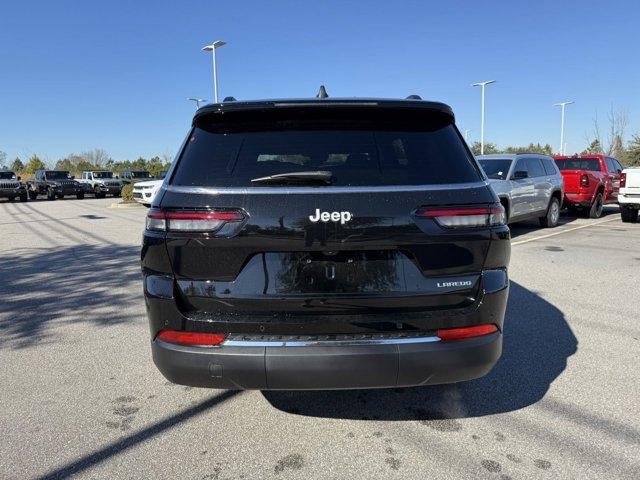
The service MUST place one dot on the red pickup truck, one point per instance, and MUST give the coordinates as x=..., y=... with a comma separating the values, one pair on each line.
x=590, y=182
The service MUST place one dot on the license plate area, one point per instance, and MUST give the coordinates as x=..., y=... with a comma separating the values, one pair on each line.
x=340, y=272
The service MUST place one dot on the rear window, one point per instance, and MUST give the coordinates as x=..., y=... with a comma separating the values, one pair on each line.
x=591, y=164
x=360, y=157
x=495, y=168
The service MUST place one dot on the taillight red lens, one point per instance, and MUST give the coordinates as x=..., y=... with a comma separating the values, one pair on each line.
x=623, y=180
x=465, y=217
x=184, y=221
x=193, y=339
x=462, y=333
x=584, y=180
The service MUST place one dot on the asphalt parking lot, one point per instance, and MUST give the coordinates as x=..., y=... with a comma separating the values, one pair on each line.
x=81, y=397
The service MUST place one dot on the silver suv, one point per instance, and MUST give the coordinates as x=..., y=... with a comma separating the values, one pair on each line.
x=529, y=185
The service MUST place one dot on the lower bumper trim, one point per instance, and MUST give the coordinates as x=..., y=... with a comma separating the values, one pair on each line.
x=410, y=362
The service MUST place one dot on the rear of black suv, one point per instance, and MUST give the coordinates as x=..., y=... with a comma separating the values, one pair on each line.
x=325, y=244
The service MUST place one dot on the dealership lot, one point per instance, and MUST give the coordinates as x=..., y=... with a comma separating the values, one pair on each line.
x=81, y=397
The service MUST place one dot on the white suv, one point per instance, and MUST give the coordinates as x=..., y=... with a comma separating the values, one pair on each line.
x=145, y=192
x=629, y=195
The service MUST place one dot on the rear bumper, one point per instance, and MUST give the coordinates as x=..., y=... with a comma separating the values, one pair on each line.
x=629, y=199
x=578, y=199
x=380, y=361
x=318, y=367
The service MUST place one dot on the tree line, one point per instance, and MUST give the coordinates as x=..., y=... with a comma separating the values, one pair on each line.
x=96, y=159
x=612, y=143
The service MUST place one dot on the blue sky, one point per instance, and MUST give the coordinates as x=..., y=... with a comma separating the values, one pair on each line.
x=115, y=75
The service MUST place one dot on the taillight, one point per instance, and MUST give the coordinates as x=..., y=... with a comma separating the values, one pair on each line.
x=623, y=180
x=584, y=180
x=191, y=221
x=191, y=339
x=462, y=333
x=465, y=217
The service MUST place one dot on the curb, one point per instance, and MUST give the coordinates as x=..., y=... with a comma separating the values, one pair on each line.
x=125, y=205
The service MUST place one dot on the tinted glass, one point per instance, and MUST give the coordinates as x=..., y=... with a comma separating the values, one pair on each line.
x=590, y=164
x=535, y=167
x=497, y=168
x=102, y=175
x=57, y=175
x=521, y=166
x=549, y=166
x=140, y=174
x=354, y=157
x=7, y=175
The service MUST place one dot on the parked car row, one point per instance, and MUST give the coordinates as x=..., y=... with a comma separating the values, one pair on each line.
x=54, y=184
x=532, y=185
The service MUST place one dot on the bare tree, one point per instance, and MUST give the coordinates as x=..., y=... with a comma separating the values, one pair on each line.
x=618, y=120
x=97, y=156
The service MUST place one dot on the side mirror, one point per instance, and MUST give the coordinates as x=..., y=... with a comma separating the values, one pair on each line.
x=73, y=177
x=19, y=178
x=520, y=174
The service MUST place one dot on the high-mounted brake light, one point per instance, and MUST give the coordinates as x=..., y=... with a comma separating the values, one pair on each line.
x=463, y=333
x=192, y=339
x=184, y=221
x=623, y=180
x=584, y=180
x=465, y=217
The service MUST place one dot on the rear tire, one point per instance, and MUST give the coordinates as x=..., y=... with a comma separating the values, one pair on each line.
x=550, y=220
x=629, y=215
x=79, y=196
x=11, y=199
x=23, y=197
x=33, y=195
x=596, y=207
x=51, y=195
x=99, y=194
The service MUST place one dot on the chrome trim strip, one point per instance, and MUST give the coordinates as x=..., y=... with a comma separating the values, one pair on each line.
x=327, y=343
x=318, y=190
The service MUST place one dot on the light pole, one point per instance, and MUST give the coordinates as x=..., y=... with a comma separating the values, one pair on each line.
x=212, y=48
x=466, y=135
x=562, y=105
x=483, y=85
x=197, y=101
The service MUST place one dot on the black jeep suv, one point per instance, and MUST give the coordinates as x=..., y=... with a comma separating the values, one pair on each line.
x=325, y=244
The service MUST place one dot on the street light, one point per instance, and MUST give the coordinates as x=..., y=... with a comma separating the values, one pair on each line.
x=212, y=48
x=483, y=85
x=197, y=101
x=563, y=105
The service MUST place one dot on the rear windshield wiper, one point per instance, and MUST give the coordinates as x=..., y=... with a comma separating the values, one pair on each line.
x=297, y=178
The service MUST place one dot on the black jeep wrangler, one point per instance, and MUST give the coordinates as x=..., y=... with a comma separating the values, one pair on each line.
x=54, y=184
x=325, y=244
x=11, y=187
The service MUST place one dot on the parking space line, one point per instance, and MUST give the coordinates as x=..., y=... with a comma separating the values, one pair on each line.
x=541, y=237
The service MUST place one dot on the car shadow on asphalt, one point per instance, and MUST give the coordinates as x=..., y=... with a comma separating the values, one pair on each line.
x=528, y=226
x=537, y=344
x=45, y=288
